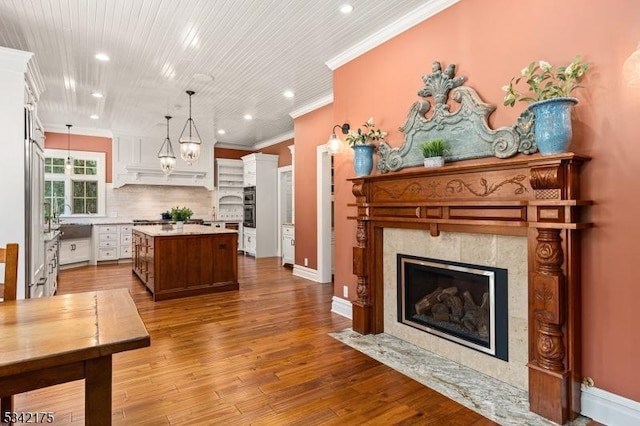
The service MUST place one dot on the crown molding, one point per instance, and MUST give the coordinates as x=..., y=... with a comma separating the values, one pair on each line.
x=234, y=146
x=280, y=138
x=400, y=25
x=84, y=131
x=325, y=100
x=14, y=60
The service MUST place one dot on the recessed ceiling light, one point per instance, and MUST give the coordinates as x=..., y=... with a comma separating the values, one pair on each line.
x=94, y=116
x=102, y=57
x=346, y=8
x=288, y=94
x=97, y=95
x=221, y=131
x=248, y=117
x=203, y=77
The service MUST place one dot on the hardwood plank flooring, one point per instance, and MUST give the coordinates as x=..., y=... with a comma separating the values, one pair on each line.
x=260, y=356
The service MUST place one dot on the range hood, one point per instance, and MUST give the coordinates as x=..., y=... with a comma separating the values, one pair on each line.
x=135, y=162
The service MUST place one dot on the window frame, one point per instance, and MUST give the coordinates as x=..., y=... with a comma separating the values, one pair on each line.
x=99, y=177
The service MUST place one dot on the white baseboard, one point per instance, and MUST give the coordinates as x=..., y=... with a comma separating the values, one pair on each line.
x=304, y=272
x=341, y=307
x=608, y=408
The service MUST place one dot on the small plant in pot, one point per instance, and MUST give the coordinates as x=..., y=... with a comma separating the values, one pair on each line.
x=181, y=214
x=433, y=152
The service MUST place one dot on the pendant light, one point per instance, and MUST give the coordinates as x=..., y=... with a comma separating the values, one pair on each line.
x=166, y=155
x=190, y=139
x=68, y=164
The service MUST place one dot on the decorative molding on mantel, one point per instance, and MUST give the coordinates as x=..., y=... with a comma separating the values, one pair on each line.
x=534, y=196
x=427, y=10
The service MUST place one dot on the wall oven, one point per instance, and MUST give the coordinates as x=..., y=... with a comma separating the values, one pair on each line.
x=249, y=207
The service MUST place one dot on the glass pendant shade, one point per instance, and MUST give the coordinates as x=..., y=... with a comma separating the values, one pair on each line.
x=631, y=69
x=166, y=155
x=190, y=138
x=334, y=145
x=68, y=163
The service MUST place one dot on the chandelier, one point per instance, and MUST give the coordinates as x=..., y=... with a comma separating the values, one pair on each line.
x=166, y=155
x=190, y=138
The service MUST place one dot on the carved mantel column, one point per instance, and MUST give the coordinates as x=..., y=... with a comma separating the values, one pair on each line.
x=361, y=253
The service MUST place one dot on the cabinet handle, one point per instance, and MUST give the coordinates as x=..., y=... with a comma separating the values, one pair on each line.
x=292, y=242
x=73, y=247
x=41, y=281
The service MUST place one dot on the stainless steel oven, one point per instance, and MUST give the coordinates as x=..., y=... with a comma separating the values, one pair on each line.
x=249, y=216
x=249, y=194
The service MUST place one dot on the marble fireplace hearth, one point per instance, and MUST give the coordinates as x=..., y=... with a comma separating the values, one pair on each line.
x=494, y=399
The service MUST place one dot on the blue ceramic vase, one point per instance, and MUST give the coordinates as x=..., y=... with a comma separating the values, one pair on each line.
x=553, y=124
x=363, y=159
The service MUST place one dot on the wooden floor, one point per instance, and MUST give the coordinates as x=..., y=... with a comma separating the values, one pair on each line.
x=260, y=356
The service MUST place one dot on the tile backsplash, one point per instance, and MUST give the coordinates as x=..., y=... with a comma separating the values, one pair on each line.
x=149, y=201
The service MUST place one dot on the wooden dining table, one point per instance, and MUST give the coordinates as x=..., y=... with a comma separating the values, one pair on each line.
x=52, y=340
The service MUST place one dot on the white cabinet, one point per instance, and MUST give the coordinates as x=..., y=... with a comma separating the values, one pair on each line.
x=112, y=242
x=261, y=171
x=75, y=251
x=106, y=242
x=249, y=238
x=51, y=263
x=124, y=241
x=230, y=182
x=288, y=251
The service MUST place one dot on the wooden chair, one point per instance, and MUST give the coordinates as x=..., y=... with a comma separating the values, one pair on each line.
x=9, y=256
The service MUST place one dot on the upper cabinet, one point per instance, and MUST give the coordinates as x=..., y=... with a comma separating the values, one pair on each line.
x=229, y=197
x=135, y=161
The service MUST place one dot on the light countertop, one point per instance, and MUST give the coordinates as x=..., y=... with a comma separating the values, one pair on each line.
x=158, y=231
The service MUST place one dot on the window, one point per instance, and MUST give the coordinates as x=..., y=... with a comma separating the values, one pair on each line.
x=81, y=194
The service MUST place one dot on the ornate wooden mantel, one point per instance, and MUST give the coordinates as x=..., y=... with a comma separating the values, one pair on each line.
x=533, y=196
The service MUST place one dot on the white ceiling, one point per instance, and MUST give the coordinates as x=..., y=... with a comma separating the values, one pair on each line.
x=255, y=50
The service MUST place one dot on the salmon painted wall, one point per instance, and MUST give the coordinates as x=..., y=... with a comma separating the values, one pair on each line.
x=491, y=41
x=311, y=130
x=281, y=150
x=82, y=143
x=234, y=154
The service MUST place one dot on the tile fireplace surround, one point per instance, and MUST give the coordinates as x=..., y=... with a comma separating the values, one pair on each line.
x=535, y=197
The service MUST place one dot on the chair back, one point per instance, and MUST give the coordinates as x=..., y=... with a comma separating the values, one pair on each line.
x=9, y=256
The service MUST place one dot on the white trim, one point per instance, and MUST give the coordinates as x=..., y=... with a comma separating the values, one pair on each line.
x=323, y=203
x=82, y=131
x=280, y=138
x=342, y=307
x=281, y=171
x=232, y=146
x=14, y=60
x=608, y=408
x=319, y=103
x=427, y=10
x=304, y=272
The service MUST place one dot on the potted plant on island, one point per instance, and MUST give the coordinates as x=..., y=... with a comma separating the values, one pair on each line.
x=180, y=215
x=550, y=101
x=362, y=141
x=433, y=152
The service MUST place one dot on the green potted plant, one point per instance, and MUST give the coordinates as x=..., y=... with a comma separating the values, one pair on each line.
x=549, y=94
x=180, y=215
x=433, y=152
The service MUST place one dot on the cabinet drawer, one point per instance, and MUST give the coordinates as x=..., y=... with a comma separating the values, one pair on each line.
x=125, y=228
x=107, y=229
x=108, y=244
x=125, y=239
x=287, y=231
x=108, y=253
x=125, y=251
x=108, y=237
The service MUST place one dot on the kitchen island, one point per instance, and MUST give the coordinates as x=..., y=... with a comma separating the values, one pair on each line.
x=177, y=263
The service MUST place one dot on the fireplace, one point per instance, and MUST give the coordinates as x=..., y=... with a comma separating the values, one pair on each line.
x=460, y=302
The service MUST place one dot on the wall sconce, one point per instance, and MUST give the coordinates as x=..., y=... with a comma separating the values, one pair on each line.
x=631, y=69
x=334, y=145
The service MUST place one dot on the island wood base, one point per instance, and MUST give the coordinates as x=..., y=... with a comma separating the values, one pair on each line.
x=173, y=264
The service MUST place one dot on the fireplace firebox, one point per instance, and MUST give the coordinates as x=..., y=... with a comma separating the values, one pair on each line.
x=464, y=303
